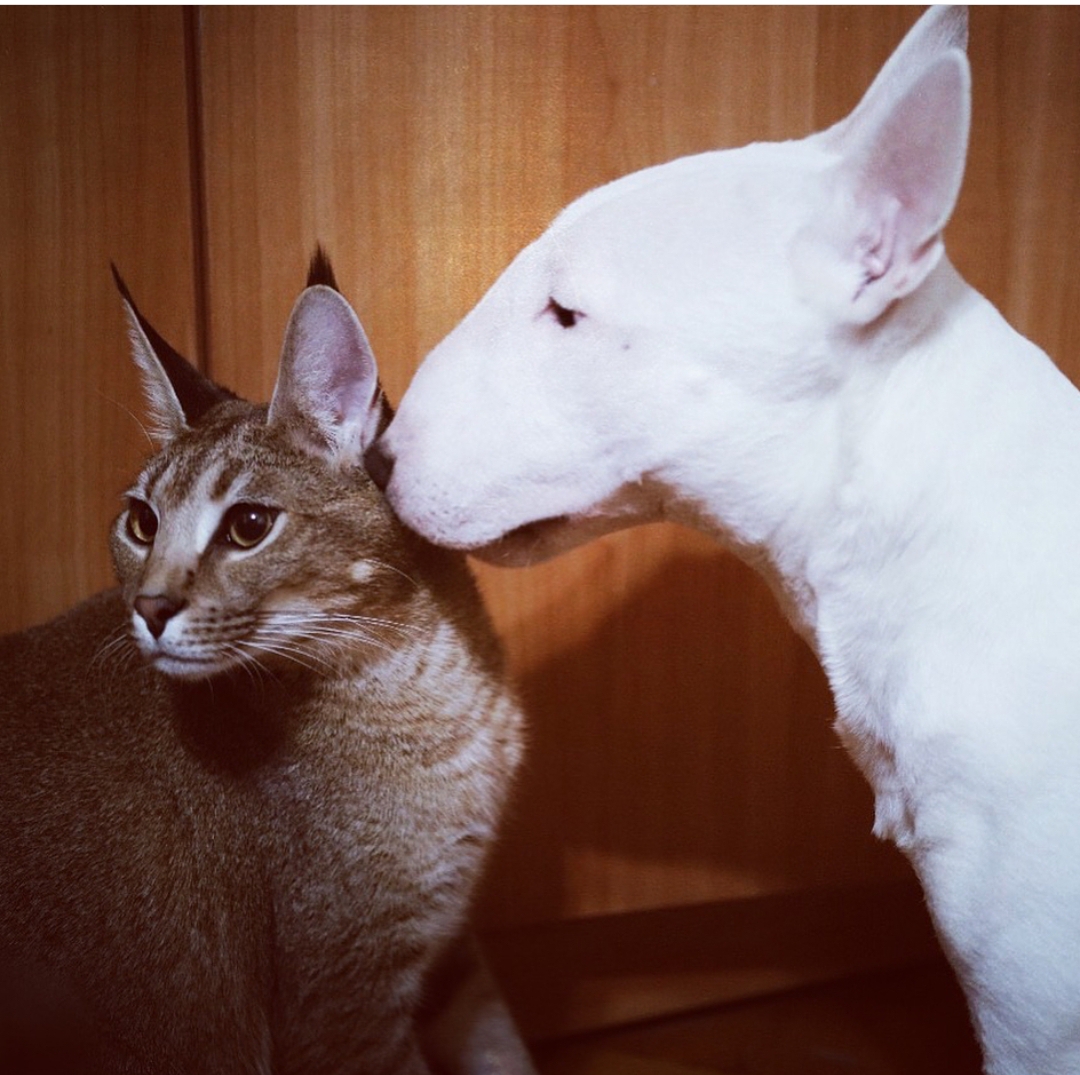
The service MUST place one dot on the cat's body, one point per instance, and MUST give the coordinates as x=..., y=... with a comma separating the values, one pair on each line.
x=244, y=849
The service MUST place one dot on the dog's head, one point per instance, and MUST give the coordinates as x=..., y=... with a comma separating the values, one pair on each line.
x=666, y=347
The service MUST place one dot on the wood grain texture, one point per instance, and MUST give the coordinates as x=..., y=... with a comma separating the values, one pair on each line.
x=93, y=168
x=583, y=974
x=681, y=749
x=905, y=1021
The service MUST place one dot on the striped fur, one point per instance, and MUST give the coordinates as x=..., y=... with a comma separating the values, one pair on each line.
x=245, y=799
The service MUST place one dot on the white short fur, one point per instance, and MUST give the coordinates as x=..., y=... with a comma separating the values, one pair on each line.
x=768, y=343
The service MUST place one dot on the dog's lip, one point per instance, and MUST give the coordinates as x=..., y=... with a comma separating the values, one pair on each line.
x=547, y=537
x=526, y=544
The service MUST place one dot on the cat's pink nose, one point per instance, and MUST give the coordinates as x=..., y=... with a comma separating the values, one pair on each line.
x=157, y=610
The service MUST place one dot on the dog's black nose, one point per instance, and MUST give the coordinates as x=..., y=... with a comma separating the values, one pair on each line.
x=380, y=464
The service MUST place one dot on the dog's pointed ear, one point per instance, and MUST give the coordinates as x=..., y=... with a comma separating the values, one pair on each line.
x=899, y=165
x=327, y=392
x=940, y=29
x=177, y=394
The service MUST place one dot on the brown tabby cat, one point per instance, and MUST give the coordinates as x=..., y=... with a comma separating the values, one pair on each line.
x=245, y=799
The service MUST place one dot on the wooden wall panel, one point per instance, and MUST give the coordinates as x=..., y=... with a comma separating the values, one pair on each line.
x=681, y=745
x=1014, y=234
x=581, y=974
x=93, y=168
x=681, y=749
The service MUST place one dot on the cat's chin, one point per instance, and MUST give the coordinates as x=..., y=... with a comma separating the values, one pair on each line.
x=185, y=668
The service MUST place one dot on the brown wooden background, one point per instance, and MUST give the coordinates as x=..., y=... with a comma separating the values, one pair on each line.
x=682, y=763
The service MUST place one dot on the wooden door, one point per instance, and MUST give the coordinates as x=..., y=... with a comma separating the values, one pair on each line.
x=94, y=167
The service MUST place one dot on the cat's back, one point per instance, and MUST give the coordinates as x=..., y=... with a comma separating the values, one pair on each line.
x=54, y=658
x=78, y=706
x=66, y=694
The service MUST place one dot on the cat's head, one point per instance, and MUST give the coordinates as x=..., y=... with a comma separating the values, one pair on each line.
x=254, y=537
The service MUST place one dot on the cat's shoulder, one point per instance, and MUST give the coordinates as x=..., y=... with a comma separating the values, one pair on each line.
x=87, y=621
x=63, y=655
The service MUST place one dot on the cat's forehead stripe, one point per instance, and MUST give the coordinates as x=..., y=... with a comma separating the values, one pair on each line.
x=181, y=472
x=227, y=478
x=152, y=477
x=174, y=478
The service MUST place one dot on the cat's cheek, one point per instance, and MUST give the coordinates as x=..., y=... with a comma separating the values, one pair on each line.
x=127, y=565
x=141, y=636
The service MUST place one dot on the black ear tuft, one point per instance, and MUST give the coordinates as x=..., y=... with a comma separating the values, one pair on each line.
x=321, y=272
x=195, y=393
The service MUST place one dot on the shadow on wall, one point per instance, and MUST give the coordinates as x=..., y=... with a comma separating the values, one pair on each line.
x=681, y=753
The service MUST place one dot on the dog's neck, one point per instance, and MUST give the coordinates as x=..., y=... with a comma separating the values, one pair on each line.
x=894, y=442
x=924, y=460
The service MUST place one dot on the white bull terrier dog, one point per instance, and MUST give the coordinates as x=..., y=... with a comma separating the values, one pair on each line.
x=769, y=344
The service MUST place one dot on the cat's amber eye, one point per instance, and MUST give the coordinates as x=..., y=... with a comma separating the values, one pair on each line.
x=245, y=525
x=142, y=523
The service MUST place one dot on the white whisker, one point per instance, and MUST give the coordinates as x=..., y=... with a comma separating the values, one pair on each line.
x=131, y=414
x=389, y=567
x=290, y=652
x=116, y=655
x=249, y=662
x=343, y=619
x=342, y=641
x=111, y=648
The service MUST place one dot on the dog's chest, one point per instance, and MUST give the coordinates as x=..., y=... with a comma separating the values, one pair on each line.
x=897, y=722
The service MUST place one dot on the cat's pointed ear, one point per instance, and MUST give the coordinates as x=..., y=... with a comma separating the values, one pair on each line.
x=899, y=165
x=328, y=391
x=177, y=394
x=320, y=271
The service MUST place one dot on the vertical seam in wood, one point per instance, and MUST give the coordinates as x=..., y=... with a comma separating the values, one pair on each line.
x=197, y=178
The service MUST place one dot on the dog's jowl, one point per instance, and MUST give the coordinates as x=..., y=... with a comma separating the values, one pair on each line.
x=769, y=344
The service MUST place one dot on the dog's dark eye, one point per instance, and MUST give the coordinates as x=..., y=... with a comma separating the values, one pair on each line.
x=245, y=525
x=566, y=317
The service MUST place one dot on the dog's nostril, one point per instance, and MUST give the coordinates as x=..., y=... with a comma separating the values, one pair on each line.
x=380, y=464
x=157, y=610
